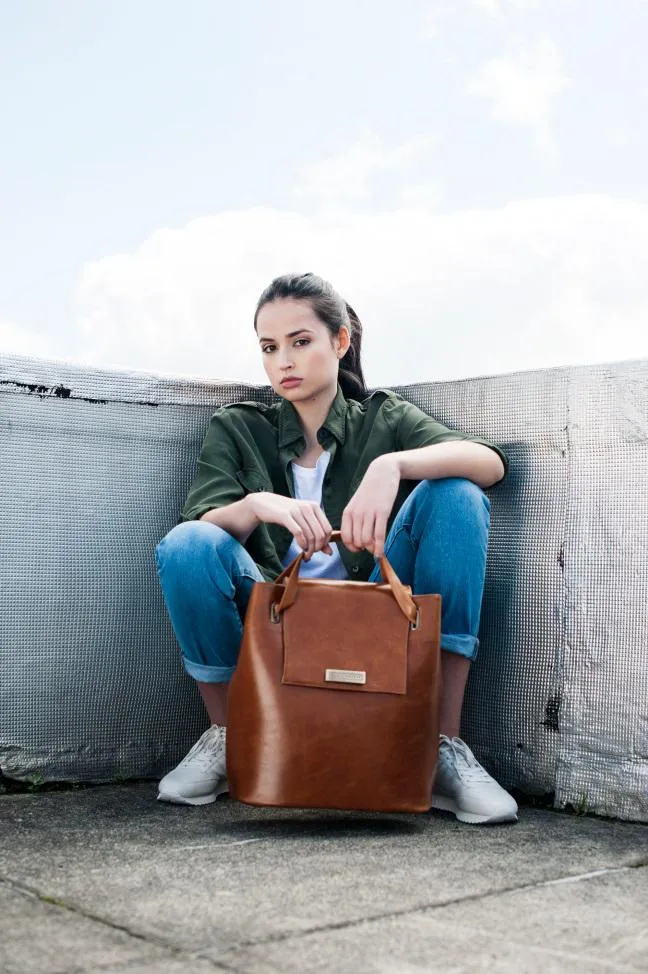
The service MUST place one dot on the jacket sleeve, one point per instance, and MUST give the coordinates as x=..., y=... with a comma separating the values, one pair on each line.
x=416, y=429
x=215, y=483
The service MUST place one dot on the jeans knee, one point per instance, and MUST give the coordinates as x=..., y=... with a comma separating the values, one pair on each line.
x=457, y=492
x=190, y=539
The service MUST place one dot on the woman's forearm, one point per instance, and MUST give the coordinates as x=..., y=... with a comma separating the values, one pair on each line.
x=238, y=519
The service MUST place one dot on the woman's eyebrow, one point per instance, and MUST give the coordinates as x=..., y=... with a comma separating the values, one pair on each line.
x=291, y=334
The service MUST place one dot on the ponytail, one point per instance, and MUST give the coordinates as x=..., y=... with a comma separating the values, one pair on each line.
x=350, y=376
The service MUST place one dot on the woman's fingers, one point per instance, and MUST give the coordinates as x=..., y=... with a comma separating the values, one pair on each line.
x=380, y=534
x=305, y=520
x=308, y=533
x=313, y=528
x=325, y=525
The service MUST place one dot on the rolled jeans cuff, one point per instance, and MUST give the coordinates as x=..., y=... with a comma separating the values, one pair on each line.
x=462, y=645
x=208, y=674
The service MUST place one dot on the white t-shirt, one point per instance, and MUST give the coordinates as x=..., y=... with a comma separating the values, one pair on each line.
x=308, y=486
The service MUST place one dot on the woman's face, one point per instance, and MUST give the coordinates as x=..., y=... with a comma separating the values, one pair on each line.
x=295, y=344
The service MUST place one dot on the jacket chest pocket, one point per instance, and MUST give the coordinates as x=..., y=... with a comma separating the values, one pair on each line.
x=252, y=479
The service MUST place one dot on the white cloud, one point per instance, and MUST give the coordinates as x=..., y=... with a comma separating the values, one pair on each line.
x=436, y=13
x=500, y=8
x=183, y=301
x=427, y=194
x=533, y=284
x=348, y=176
x=493, y=7
x=523, y=87
x=433, y=14
x=16, y=340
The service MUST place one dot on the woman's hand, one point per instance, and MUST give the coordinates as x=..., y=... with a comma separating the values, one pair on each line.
x=305, y=520
x=364, y=519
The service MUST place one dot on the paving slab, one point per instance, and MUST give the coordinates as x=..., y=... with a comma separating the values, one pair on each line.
x=237, y=887
x=186, y=965
x=36, y=936
x=597, y=924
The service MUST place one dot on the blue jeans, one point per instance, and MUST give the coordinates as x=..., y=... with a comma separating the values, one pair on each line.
x=437, y=543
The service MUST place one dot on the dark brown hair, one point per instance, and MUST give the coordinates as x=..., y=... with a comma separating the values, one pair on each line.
x=333, y=311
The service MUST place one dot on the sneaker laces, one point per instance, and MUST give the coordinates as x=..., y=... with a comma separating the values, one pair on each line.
x=207, y=746
x=466, y=764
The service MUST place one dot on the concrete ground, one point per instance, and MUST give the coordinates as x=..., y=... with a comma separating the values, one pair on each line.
x=109, y=880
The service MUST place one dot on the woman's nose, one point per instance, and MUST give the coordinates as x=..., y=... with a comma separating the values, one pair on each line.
x=285, y=360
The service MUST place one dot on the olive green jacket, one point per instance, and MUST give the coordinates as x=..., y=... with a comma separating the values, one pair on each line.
x=249, y=446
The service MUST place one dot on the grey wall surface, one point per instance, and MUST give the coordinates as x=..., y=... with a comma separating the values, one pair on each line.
x=95, y=466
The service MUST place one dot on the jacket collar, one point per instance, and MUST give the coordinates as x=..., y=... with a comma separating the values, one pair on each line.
x=290, y=426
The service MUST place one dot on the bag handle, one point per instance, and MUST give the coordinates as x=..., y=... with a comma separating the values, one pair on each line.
x=400, y=592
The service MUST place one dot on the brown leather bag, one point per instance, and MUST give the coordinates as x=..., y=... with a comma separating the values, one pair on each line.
x=334, y=701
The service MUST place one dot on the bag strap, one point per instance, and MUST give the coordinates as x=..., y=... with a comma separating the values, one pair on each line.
x=400, y=592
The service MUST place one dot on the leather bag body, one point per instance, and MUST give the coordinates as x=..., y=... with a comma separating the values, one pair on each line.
x=334, y=702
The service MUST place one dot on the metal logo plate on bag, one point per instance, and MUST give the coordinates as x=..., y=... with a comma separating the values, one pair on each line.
x=345, y=676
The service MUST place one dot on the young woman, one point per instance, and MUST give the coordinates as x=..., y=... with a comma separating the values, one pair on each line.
x=275, y=480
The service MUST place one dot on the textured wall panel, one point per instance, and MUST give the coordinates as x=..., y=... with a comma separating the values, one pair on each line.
x=96, y=465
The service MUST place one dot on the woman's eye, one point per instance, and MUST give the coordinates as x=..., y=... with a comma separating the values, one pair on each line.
x=270, y=348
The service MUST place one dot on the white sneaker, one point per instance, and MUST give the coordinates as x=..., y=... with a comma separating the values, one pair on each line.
x=464, y=787
x=201, y=776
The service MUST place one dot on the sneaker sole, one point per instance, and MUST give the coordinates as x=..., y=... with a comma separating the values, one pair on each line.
x=177, y=799
x=470, y=818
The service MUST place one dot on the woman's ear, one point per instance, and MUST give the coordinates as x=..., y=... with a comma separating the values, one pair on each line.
x=343, y=341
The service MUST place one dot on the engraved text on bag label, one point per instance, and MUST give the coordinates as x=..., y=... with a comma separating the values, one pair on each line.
x=345, y=676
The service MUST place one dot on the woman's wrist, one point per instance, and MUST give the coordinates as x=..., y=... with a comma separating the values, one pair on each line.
x=388, y=460
x=249, y=502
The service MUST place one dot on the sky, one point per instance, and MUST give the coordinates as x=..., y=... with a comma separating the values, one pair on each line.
x=470, y=175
